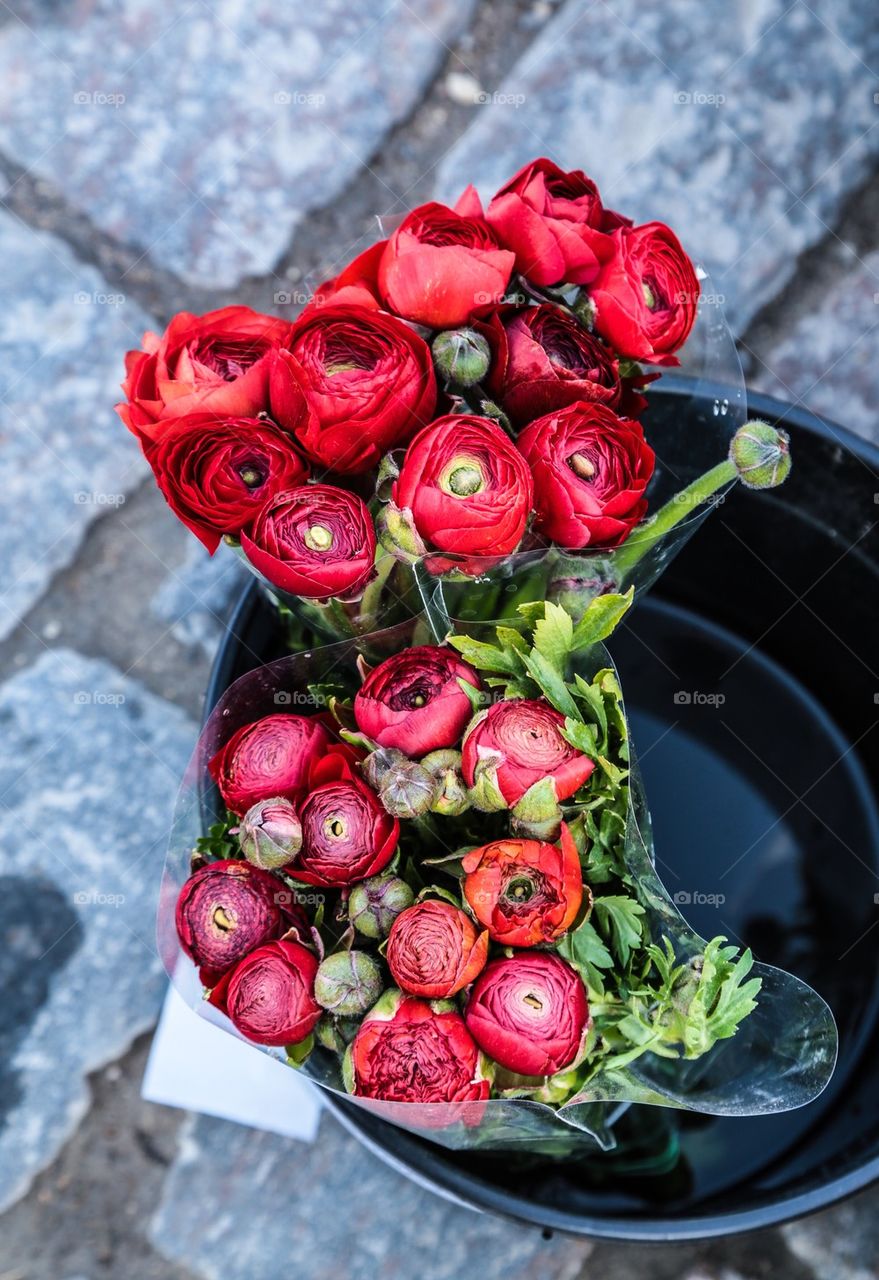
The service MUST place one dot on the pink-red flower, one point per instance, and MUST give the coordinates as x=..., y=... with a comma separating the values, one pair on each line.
x=347, y=835
x=414, y=701
x=525, y=892
x=268, y=758
x=529, y=1013
x=435, y=950
x=646, y=294
x=519, y=742
x=269, y=995
x=315, y=541
x=591, y=469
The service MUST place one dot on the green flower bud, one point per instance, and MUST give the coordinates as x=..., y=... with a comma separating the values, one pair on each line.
x=450, y=793
x=374, y=904
x=407, y=790
x=462, y=356
x=270, y=833
x=336, y=1034
x=348, y=982
x=761, y=455
x=397, y=533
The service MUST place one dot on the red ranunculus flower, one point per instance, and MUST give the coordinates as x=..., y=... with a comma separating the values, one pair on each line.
x=227, y=908
x=270, y=995
x=347, y=835
x=218, y=363
x=554, y=222
x=435, y=950
x=216, y=473
x=439, y=267
x=524, y=891
x=529, y=1013
x=590, y=470
x=519, y=742
x=646, y=294
x=552, y=361
x=370, y=385
x=414, y=701
x=267, y=759
x=316, y=541
x=468, y=489
x=409, y=1050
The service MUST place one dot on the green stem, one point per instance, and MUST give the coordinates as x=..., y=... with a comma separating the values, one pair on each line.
x=370, y=602
x=674, y=511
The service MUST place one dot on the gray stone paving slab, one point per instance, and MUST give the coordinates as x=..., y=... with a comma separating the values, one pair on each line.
x=238, y=1204
x=197, y=599
x=840, y=1244
x=827, y=360
x=88, y=773
x=203, y=131
x=65, y=458
x=742, y=126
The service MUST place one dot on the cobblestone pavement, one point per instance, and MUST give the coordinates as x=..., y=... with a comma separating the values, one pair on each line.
x=160, y=156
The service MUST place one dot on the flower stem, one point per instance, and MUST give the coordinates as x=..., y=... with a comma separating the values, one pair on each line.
x=674, y=511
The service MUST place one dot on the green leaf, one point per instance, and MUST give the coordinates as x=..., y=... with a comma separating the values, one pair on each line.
x=297, y=1053
x=584, y=949
x=486, y=657
x=551, y=684
x=581, y=736
x=601, y=617
x=722, y=997
x=553, y=634
x=620, y=921
x=218, y=843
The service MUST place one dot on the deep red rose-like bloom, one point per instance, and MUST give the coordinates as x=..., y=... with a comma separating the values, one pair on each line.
x=316, y=541
x=529, y=1013
x=520, y=742
x=646, y=294
x=217, y=363
x=270, y=995
x=414, y=701
x=468, y=488
x=435, y=950
x=268, y=758
x=524, y=891
x=216, y=473
x=552, y=361
x=370, y=385
x=590, y=470
x=412, y=1051
x=227, y=908
x=347, y=835
x=554, y=222
x=439, y=268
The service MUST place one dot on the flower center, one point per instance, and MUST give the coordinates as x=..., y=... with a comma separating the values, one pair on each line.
x=462, y=478
x=336, y=827
x=581, y=466
x=520, y=889
x=251, y=476
x=319, y=538
x=533, y=1001
x=223, y=920
x=649, y=295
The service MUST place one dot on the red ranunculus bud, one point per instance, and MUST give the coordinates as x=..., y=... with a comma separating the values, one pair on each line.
x=216, y=363
x=316, y=541
x=554, y=222
x=414, y=701
x=468, y=489
x=529, y=1013
x=370, y=385
x=435, y=950
x=519, y=742
x=409, y=1050
x=439, y=268
x=270, y=995
x=227, y=908
x=552, y=361
x=217, y=473
x=646, y=294
x=269, y=758
x=347, y=835
x=590, y=470
x=524, y=891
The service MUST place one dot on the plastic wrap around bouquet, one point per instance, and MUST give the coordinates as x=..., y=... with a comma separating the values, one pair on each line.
x=461, y=420
x=430, y=886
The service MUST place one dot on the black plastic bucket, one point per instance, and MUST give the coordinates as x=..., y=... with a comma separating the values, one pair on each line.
x=751, y=676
